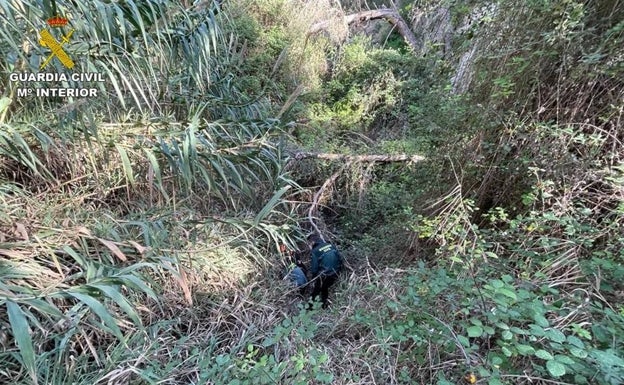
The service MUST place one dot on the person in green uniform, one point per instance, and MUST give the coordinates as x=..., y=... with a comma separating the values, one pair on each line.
x=326, y=263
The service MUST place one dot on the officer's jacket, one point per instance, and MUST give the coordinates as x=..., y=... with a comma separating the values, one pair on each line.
x=326, y=259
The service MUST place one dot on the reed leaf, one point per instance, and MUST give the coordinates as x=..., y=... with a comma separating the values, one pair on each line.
x=113, y=293
x=99, y=309
x=270, y=205
x=21, y=332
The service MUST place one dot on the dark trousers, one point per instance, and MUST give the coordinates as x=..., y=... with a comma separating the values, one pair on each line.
x=322, y=283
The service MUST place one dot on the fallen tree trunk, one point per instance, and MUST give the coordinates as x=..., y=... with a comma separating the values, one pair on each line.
x=391, y=15
x=359, y=158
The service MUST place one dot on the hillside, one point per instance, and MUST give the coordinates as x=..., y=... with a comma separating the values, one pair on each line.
x=465, y=157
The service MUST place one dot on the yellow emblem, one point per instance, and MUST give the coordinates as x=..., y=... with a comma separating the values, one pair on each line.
x=47, y=40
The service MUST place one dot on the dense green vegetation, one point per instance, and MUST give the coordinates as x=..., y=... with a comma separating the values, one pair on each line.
x=141, y=231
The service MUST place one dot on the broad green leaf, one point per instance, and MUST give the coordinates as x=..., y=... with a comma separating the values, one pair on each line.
x=543, y=354
x=525, y=349
x=577, y=342
x=555, y=335
x=21, y=333
x=474, y=331
x=464, y=341
x=564, y=359
x=507, y=293
x=503, y=325
x=608, y=358
x=577, y=352
x=476, y=321
x=578, y=379
x=540, y=320
x=536, y=330
x=555, y=368
x=507, y=335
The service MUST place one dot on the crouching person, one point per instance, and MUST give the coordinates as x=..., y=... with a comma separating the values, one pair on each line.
x=325, y=265
x=297, y=277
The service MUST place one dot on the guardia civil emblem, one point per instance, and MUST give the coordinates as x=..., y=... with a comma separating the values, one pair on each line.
x=55, y=46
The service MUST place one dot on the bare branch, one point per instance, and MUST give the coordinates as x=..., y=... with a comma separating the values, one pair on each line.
x=359, y=158
x=390, y=15
x=317, y=197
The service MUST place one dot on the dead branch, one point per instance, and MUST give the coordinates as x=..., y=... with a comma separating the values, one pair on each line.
x=390, y=15
x=359, y=158
x=317, y=198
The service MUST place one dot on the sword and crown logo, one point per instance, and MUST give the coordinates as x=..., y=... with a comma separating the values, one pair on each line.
x=47, y=40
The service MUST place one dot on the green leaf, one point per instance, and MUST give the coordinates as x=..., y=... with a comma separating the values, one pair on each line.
x=577, y=352
x=496, y=360
x=540, y=320
x=494, y=381
x=543, y=354
x=536, y=330
x=464, y=341
x=507, y=335
x=114, y=294
x=4, y=103
x=476, y=321
x=507, y=293
x=125, y=161
x=474, y=331
x=555, y=368
x=156, y=169
x=578, y=379
x=564, y=359
x=525, y=349
x=508, y=279
x=21, y=333
x=491, y=254
x=44, y=307
x=575, y=341
x=555, y=335
x=101, y=311
x=503, y=325
x=138, y=283
x=608, y=358
x=266, y=210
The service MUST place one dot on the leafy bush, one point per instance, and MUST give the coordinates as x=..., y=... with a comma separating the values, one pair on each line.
x=498, y=328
